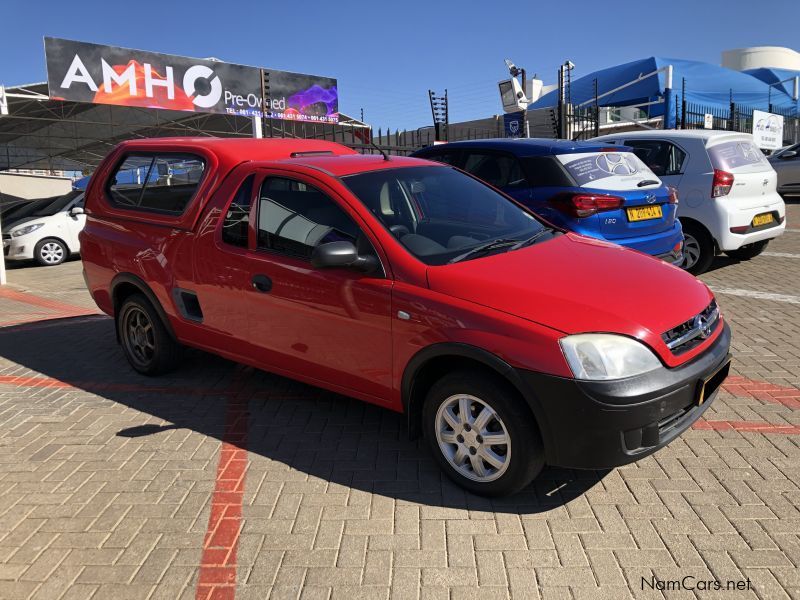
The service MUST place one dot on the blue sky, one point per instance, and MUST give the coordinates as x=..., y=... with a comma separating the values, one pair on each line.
x=386, y=55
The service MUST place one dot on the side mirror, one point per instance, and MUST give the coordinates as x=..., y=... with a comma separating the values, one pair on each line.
x=788, y=154
x=341, y=254
x=75, y=211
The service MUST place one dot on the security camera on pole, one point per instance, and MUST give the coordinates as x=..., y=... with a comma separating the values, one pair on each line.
x=515, y=97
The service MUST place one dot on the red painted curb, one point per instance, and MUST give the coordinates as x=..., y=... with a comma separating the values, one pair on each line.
x=746, y=426
x=217, y=576
x=57, y=309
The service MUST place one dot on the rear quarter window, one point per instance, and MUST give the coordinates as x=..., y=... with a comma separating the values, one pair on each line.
x=546, y=171
x=163, y=183
x=738, y=156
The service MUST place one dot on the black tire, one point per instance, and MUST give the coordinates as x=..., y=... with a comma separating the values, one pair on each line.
x=749, y=251
x=147, y=344
x=50, y=252
x=698, y=249
x=525, y=450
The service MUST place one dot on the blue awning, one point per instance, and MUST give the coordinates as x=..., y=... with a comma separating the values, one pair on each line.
x=709, y=85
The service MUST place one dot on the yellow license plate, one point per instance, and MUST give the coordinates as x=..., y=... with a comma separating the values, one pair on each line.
x=643, y=213
x=710, y=384
x=763, y=219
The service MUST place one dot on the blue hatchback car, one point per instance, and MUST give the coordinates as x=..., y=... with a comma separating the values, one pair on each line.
x=594, y=189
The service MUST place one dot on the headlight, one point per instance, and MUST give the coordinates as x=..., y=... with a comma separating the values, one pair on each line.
x=601, y=356
x=26, y=230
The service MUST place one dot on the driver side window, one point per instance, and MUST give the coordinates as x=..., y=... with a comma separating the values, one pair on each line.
x=294, y=218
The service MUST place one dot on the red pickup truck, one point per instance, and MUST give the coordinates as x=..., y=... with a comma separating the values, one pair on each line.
x=508, y=343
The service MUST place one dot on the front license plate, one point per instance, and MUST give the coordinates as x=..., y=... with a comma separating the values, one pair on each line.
x=644, y=213
x=710, y=384
x=762, y=219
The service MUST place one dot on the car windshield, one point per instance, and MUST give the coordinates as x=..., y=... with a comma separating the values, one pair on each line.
x=440, y=214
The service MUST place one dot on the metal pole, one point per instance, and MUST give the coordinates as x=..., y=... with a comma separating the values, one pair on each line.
x=683, y=103
x=2, y=263
x=669, y=99
x=258, y=131
x=446, y=118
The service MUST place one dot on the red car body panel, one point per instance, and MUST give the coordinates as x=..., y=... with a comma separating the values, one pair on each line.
x=514, y=305
x=573, y=295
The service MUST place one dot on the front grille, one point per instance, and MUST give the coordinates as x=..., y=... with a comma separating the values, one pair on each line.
x=6, y=236
x=691, y=333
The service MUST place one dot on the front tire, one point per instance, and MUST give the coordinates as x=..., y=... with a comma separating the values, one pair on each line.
x=50, y=252
x=698, y=249
x=749, y=251
x=147, y=344
x=482, y=434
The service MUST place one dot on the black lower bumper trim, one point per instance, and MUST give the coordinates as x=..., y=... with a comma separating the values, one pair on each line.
x=604, y=424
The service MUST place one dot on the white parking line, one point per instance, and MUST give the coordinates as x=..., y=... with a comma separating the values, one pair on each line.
x=792, y=230
x=781, y=254
x=757, y=295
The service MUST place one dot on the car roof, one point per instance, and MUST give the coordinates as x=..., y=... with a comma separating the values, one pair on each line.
x=526, y=146
x=341, y=166
x=704, y=134
x=334, y=159
x=240, y=148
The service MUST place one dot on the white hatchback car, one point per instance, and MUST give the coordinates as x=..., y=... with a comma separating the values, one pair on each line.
x=727, y=190
x=45, y=230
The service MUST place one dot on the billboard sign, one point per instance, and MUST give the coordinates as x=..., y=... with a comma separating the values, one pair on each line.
x=767, y=130
x=83, y=72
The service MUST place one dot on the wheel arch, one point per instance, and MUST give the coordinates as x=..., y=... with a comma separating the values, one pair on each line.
x=427, y=365
x=124, y=285
x=56, y=238
x=695, y=223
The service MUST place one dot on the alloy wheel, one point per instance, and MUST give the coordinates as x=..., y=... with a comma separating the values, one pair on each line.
x=51, y=253
x=139, y=336
x=691, y=251
x=473, y=438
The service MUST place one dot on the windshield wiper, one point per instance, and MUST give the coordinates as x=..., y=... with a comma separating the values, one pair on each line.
x=494, y=244
x=531, y=240
x=645, y=182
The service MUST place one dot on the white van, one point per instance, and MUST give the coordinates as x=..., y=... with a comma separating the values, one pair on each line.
x=44, y=230
x=726, y=187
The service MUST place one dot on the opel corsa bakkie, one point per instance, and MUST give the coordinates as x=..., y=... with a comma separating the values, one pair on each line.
x=507, y=342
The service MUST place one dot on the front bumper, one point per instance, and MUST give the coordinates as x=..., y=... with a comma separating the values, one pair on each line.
x=603, y=424
x=17, y=248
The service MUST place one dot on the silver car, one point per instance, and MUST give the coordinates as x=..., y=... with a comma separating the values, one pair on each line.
x=786, y=163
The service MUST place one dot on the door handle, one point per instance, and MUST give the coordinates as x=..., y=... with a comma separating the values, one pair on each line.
x=261, y=283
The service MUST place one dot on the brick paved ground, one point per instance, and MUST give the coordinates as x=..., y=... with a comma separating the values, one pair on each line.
x=221, y=479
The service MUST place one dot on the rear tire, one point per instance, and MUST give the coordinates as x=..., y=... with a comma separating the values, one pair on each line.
x=147, y=344
x=50, y=252
x=749, y=251
x=462, y=410
x=698, y=249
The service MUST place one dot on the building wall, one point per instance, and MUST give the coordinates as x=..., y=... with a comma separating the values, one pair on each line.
x=34, y=186
x=758, y=57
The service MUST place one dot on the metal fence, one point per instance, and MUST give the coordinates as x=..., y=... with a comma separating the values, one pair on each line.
x=737, y=117
x=365, y=139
